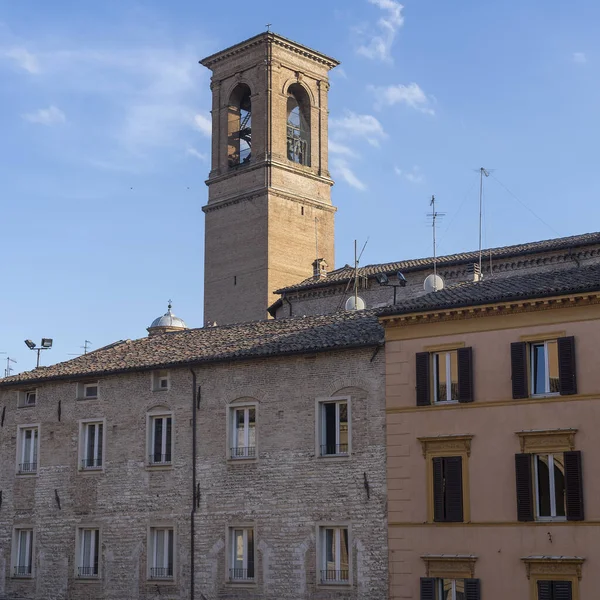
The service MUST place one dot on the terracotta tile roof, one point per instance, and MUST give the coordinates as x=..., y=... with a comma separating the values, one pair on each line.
x=229, y=342
x=346, y=273
x=538, y=284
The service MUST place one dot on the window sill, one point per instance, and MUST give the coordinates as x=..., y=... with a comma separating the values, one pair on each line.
x=159, y=467
x=445, y=402
x=548, y=395
x=242, y=459
x=91, y=471
x=26, y=405
x=23, y=577
x=335, y=585
x=160, y=581
x=161, y=389
x=26, y=474
x=551, y=519
x=90, y=579
x=334, y=457
x=240, y=583
x=87, y=398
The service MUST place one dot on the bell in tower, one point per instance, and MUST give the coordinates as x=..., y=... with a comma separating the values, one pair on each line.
x=269, y=210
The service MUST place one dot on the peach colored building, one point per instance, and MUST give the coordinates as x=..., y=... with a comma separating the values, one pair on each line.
x=493, y=407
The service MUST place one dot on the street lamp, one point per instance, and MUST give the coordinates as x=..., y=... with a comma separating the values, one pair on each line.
x=45, y=344
x=383, y=280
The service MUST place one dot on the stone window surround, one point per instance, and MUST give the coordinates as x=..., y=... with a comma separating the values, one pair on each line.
x=245, y=402
x=76, y=565
x=158, y=411
x=156, y=376
x=22, y=397
x=447, y=445
x=553, y=568
x=81, y=445
x=20, y=429
x=81, y=386
x=546, y=441
x=320, y=526
x=14, y=550
x=149, y=546
x=319, y=427
x=229, y=550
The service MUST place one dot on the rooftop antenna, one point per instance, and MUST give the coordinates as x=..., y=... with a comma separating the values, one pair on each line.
x=8, y=369
x=482, y=172
x=85, y=347
x=434, y=217
x=316, y=240
x=268, y=26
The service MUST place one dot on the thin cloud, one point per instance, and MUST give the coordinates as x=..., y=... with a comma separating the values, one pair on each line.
x=342, y=168
x=203, y=124
x=410, y=95
x=338, y=148
x=354, y=126
x=379, y=46
x=24, y=59
x=413, y=176
x=46, y=116
x=579, y=57
x=196, y=154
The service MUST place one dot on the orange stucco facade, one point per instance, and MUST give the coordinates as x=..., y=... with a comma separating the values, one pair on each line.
x=486, y=433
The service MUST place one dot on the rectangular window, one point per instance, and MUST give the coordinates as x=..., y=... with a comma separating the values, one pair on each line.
x=335, y=563
x=544, y=368
x=243, y=434
x=447, y=489
x=89, y=548
x=160, y=440
x=550, y=490
x=445, y=376
x=450, y=589
x=90, y=390
x=160, y=381
x=554, y=590
x=27, y=398
x=28, y=450
x=242, y=554
x=92, y=438
x=334, y=428
x=161, y=553
x=23, y=557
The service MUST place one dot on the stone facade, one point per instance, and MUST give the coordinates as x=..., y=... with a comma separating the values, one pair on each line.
x=284, y=494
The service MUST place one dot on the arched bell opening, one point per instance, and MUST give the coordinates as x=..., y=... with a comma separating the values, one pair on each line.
x=239, y=126
x=298, y=125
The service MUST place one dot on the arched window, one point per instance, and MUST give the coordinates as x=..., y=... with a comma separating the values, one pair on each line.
x=298, y=125
x=239, y=126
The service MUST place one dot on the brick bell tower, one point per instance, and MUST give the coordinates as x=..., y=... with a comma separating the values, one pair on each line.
x=269, y=213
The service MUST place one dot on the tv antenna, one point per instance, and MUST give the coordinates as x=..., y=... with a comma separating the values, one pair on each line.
x=8, y=369
x=86, y=345
x=482, y=172
x=355, y=302
x=434, y=215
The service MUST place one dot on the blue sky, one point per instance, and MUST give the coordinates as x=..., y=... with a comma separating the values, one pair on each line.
x=104, y=142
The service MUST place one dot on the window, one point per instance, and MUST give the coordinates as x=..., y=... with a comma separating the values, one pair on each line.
x=88, y=554
x=27, y=398
x=554, y=590
x=335, y=561
x=298, y=125
x=543, y=367
x=444, y=375
x=28, y=449
x=549, y=476
x=239, y=126
x=160, y=381
x=444, y=588
x=87, y=390
x=335, y=433
x=23, y=553
x=161, y=553
x=92, y=439
x=160, y=439
x=554, y=577
x=242, y=554
x=243, y=433
x=447, y=489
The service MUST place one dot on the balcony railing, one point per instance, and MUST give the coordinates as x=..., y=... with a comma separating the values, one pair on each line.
x=160, y=459
x=87, y=571
x=329, y=576
x=333, y=449
x=161, y=572
x=241, y=452
x=28, y=467
x=22, y=570
x=91, y=463
x=241, y=574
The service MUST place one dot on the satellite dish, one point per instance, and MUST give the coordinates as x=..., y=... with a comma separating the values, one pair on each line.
x=433, y=283
x=355, y=303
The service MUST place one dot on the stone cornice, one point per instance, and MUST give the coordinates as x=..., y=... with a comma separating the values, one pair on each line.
x=554, y=565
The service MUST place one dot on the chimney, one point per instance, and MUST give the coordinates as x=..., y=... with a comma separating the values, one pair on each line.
x=319, y=268
x=476, y=271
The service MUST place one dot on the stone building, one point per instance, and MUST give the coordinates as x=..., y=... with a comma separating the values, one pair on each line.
x=492, y=393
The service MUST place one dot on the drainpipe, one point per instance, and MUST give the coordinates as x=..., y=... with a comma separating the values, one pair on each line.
x=194, y=498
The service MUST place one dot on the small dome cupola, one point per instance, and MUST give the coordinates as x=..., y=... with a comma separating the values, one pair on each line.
x=168, y=322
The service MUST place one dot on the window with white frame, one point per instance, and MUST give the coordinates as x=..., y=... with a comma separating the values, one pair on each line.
x=23, y=552
x=87, y=390
x=550, y=490
x=27, y=398
x=450, y=589
x=241, y=566
x=335, y=559
x=544, y=368
x=243, y=432
x=334, y=428
x=160, y=439
x=89, y=551
x=161, y=553
x=445, y=376
x=92, y=435
x=28, y=449
x=160, y=380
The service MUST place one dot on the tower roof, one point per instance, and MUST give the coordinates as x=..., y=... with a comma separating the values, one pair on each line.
x=168, y=322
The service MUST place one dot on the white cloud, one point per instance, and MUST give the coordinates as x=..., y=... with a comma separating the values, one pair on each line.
x=413, y=176
x=46, y=116
x=199, y=155
x=24, y=59
x=411, y=95
x=355, y=126
x=341, y=167
x=379, y=46
x=579, y=58
x=203, y=124
x=337, y=148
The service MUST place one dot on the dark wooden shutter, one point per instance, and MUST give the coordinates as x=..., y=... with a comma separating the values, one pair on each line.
x=544, y=590
x=574, y=486
x=454, y=491
x=562, y=590
x=472, y=589
x=427, y=588
x=423, y=379
x=567, y=375
x=438, y=490
x=465, y=374
x=524, y=475
x=518, y=361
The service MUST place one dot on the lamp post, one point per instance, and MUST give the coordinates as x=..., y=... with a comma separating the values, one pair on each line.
x=45, y=344
x=383, y=280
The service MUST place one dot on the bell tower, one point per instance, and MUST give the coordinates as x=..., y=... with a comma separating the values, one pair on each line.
x=269, y=214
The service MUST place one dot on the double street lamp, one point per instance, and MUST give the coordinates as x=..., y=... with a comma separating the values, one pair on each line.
x=46, y=344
